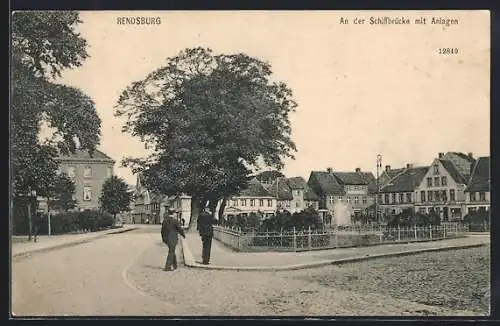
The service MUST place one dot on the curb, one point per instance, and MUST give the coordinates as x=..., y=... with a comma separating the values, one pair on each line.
x=68, y=244
x=190, y=262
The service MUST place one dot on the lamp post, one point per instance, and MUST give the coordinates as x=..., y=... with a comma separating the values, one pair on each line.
x=379, y=165
x=30, y=218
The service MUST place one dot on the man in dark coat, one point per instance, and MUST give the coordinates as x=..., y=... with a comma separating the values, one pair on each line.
x=206, y=230
x=170, y=230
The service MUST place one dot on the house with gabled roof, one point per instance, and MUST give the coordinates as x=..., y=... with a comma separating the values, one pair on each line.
x=400, y=192
x=443, y=187
x=478, y=191
x=293, y=194
x=88, y=171
x=253, y=199
x=356, y=189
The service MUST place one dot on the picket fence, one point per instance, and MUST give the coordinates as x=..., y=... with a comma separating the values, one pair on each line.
x=339, y=237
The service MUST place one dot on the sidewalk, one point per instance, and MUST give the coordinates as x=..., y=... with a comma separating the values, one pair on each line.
x=45, y=243
x=223, y=258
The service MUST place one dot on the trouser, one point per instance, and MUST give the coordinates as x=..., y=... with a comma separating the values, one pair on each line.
x=207, y=245
x=171, y=258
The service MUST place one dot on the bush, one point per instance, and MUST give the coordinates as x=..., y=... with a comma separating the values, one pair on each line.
x=408, y=218
x=478, y=221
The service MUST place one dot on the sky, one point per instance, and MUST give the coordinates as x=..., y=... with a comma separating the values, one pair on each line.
x=361, y=90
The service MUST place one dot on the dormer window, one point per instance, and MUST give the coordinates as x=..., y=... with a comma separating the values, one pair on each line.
x=436, y=169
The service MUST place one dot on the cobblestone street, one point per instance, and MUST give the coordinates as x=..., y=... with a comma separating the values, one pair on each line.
x=121, y=274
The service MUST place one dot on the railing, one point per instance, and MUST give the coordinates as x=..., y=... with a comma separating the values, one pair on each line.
x=340, y=237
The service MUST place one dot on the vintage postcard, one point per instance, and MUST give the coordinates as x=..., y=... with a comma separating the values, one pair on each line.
x=250, y=163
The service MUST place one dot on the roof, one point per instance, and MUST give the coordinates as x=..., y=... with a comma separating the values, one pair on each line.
x=354, y=178
x=255, y=189
x=324, y=182
x=84, y=155
x=453, y=171
x=463, y=162
x=480, y=178
x=407, y=180
x=284, y=187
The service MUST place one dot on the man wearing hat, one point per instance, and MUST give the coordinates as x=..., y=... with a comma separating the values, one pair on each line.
x=206, y=230
x=170, y=229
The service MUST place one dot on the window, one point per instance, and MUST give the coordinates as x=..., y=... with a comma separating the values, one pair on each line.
x=87, y=193
x=437, y=195
x=235, y=202
x=348, y=199
x=393, y=198
x=71, y=172
x=401, y=198
x=331, y=200
x=340, y=198
x=243, y=202
x=436, y=169
x=408, y=197
x=356, y=199
x=422, y=196
x=444, y=182
x=444, y=196
x=472, y=196
x=429, y=196
x=429, y=182
x=87, y=172
x=482, y=196
x=261, y=202
x=472, y=209
x=436, y=181
x=422, y=210
x=365, y=200
x=109, y=172
x=380, y=198
x=269, y=203
x=452, y=194
x=297, y=204
x=252, y=202
x=386, y=199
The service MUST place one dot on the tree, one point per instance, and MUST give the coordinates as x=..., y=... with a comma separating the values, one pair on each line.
x=61, y=197
x=209, y=119
x=43, y=45
x=115, y=197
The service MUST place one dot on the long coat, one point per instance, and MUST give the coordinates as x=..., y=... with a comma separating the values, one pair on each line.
x=170, y=230
x=205, y=224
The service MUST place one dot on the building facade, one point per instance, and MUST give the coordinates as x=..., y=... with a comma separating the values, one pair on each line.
x=354, y=190
x=148, y=205
x=400, y=192
x=88, y=172
x=443, y=189
x=293, y=194
x=255, y=199
x=478, y=191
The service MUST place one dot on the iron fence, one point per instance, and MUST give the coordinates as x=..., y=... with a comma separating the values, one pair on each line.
x=339, y=237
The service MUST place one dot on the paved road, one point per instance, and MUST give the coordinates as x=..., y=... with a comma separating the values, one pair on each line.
x=87, y=279
x=121, y=275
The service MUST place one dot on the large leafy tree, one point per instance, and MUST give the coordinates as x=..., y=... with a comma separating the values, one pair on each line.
x=115, y=197
x=209, y=119
x=61, y=196
x=43, y=45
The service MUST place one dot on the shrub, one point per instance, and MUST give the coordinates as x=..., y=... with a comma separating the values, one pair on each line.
x=478, y=221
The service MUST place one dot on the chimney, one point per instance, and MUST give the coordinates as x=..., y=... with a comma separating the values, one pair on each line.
x=470, y=155
x=329, y=170
x=387, y=167
x=409, y=165
x=358, y=170
x=440, y=155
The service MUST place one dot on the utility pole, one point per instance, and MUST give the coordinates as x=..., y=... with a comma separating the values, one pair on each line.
x=379, y=165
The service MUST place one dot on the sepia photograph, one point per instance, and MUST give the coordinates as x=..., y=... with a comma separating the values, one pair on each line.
x=250, y=163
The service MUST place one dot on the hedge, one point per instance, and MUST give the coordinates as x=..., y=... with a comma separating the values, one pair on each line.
x=67, y=222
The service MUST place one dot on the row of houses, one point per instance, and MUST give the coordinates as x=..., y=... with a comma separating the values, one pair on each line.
x=453, y=185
